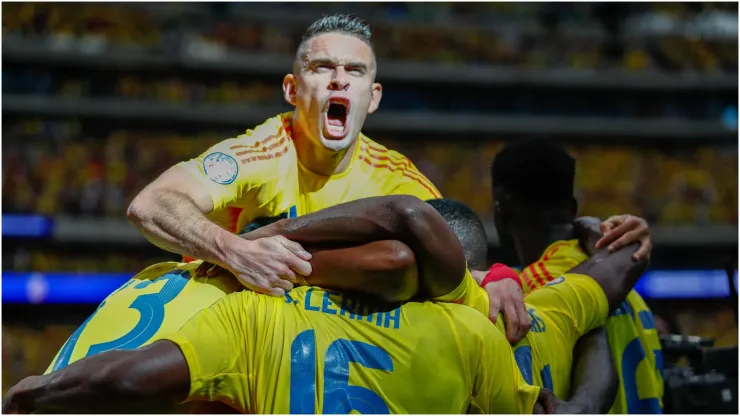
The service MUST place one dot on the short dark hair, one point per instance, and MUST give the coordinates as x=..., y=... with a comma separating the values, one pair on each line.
x=336, y=23
x=534, y=170
x=262, y=222
x=468, y=227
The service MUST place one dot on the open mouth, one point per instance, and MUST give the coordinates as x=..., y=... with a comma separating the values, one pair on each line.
x=336, y=118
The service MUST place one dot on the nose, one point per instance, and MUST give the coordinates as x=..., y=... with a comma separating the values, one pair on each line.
x=340, y=80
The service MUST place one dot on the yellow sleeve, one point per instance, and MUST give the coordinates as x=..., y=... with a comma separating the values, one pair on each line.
x=234, y=169
x=468, y=293
x=572, y=305
x=499, y=386
x=214, y=343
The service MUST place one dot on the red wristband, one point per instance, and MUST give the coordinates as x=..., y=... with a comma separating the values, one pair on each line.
x=500, y=272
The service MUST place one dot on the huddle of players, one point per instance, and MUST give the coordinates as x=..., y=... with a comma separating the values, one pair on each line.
x=247, y=350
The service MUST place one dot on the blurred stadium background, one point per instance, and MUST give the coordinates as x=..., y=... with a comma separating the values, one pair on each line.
x=98, y=99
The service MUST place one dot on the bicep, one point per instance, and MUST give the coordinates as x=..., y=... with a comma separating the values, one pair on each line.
x=178, y=179
x=382, y=268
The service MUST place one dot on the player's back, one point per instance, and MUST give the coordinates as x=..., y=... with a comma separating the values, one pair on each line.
x=319, y=351
x=157, y=301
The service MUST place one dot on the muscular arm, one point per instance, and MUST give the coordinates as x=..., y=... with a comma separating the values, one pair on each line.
x=385, y=269
x=170, y=212
x=152, y=377
x=438, y=253
x=616, y=273
x=594, y=378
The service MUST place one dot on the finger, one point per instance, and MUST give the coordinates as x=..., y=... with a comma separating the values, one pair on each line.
x=287, y=274
x=525, y=322
x=625, y=240
x=494, y=306
x=618, y=231
x=282, y=284
x=646, y=247
x=259, y=286
x=277, y=292
x=301, y=267
x=512, y=321
x=295, y=248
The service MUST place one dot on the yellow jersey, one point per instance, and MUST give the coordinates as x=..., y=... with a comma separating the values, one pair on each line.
x=317, y=351
x=562, y=311
x=258, y=174
x=633, y=338
x=158, y=300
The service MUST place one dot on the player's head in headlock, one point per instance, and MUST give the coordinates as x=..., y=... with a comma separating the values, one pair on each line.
x=468, y=228
x=533, y=183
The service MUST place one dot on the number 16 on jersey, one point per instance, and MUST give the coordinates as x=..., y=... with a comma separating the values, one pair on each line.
x=339, y=396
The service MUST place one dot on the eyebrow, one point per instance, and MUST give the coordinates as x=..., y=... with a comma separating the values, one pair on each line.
x=317, y=61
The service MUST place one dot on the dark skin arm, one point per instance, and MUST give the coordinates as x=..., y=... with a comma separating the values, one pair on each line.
x=156, y=376
x=595, y=380
x=439, y=256
x=145, y=380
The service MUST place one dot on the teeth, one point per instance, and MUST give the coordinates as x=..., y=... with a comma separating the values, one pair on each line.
x=336, y=129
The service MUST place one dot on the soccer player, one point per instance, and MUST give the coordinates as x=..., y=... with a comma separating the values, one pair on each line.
x=534, y=211
x=296, y=163
x=399, y=347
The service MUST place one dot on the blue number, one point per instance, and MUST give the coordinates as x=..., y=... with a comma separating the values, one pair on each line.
x=151, y=310
x=633, y=354
x=303, y=374
x=523, y=358
x=339, y=396
x=66, y=353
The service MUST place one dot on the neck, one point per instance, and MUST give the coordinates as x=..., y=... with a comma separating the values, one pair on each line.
x=317, y=158
x=532, y=241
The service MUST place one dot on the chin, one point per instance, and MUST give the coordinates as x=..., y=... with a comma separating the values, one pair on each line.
x=338, y=145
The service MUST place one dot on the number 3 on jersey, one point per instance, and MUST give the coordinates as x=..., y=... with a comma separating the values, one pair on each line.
x=151, y=316
x=339, y=396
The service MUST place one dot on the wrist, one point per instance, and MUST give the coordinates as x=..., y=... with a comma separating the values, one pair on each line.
x=224, y=243
x=499, y=272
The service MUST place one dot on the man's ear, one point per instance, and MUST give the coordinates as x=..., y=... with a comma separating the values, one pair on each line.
x=376, y=95
x=289, y=89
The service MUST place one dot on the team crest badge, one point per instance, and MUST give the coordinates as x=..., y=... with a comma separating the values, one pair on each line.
x=220, y=168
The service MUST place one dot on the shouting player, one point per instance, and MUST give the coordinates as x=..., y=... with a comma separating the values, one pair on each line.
x=312, y=332
x=534, y=213
x=295, y=163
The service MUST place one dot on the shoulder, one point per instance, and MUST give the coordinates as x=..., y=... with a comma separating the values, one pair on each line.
x=271, y=139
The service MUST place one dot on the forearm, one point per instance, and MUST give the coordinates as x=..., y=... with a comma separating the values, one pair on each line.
x=594, y=378
x=104, y=383
x=403, y=218
x=616, y=273
x=173, y=222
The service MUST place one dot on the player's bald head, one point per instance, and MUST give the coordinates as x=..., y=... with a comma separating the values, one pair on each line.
x=468, y=228
x=339, y=23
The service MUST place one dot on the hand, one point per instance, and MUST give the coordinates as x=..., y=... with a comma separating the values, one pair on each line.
x=506, y=296
x=549, y=403
x=623, y=230
x=268, y=265
x=15, y=401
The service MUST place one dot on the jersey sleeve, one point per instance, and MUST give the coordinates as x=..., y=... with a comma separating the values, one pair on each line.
x=499, y=386
x=571, y=305
x=215, y=345
x=468, y=293
x=234, y=169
